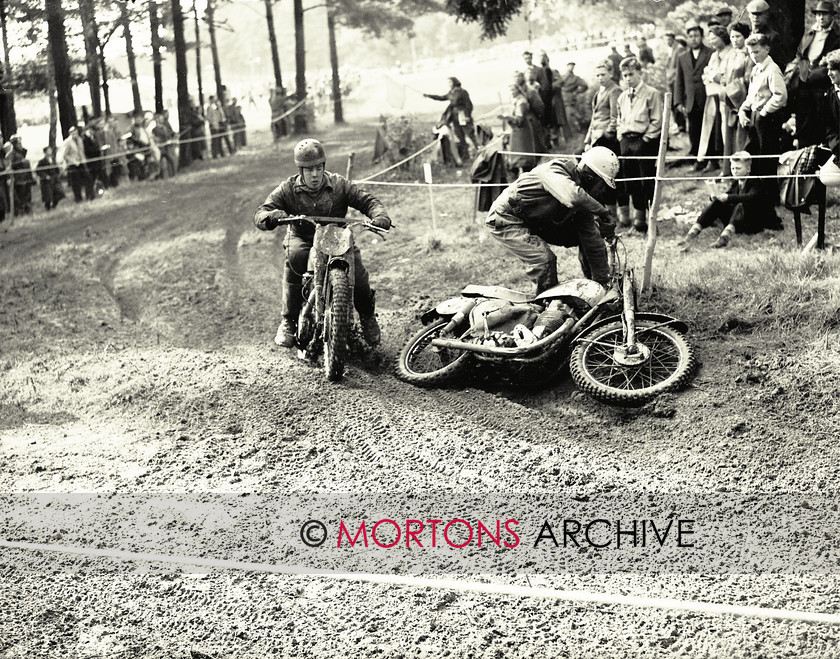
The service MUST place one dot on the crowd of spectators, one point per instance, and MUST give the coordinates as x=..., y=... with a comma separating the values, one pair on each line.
x=100, y=153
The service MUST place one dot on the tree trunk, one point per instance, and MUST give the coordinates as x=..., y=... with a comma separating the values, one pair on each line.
x=214, y=52
x=8, y=120
x=58, y=49
x=198, y=56
x=51, y=96
x=154, y=25
x=104, y=70
x=338, y=107
x=184, y=112
x=129, y=53
x=89, y=29
x=272, y=40
x=300, y=68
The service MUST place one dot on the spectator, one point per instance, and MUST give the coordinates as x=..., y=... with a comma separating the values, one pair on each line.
x=555, y=107
x=574, y=88
x=615, y=59
x=522, y=138
x=743, y=208
x=228, y=122
x=198, y=135
x=534, y=71
x=603, y=132
x=645, y=53
x=760, y=113
x=759, y=12
x=116, y=153
x=72, y=154
x=807, y=80
x=675, y=49
x=711, y=133
x=724, y=17
x=240, y=138
x=735, y=81
x=216, y=121
x=628, y=52
x=639, y=128
x=22, y=178
x=537, y=110
x=689, y=90
x=49, y=177
x=164, y=137
x=458, y=116
x=277, y=103
x=831, y=103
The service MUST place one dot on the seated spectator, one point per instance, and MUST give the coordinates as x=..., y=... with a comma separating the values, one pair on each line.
x=744, y=208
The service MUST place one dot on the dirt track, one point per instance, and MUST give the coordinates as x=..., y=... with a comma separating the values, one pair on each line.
x=138, y=359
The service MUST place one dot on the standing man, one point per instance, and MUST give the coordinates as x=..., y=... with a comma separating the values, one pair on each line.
x=645, y=52
x=724, y=17
x=73, y=155
x=216, y=121
x=639, y=130
x=675, y=49
x=759, y=12
x=534, y=71
x=315, y=191
x=557, y=203
x=555, y=106
x=458, y=115
x=807, y=80
x=574, y=87
x=615, y=58
x=49, y=176
x=689, y=88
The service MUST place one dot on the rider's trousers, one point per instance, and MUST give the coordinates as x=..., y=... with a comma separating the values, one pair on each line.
x=297, y=256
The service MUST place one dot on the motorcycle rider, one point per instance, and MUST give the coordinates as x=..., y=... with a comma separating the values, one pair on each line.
x=557, y=203
x=315, y=191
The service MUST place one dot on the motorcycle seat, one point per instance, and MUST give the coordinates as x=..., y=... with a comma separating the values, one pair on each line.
x=495, y=292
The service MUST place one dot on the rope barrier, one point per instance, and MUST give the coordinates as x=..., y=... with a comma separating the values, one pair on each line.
x=667, y=158
x=404, y=160
x=708, y=608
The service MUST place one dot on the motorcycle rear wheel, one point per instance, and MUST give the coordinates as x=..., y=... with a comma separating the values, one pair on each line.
x=668, y=366
x=336, y=324
x=423, y=365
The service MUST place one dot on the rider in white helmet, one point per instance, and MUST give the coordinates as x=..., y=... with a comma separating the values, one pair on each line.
x=315, y=191
x=557, y=203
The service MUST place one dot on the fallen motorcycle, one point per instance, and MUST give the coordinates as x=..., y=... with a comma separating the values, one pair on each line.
x=615, y=353
x=327, y=314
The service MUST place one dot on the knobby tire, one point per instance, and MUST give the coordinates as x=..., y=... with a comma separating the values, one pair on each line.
x=421, y=365
x=336, y=324
x=669, y=367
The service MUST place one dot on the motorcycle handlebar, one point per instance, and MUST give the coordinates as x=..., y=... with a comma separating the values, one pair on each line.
x=321, y=219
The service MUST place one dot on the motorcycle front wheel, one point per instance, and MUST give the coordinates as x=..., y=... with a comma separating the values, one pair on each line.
x=599, y=368
x=336, y=324
x=423, y=365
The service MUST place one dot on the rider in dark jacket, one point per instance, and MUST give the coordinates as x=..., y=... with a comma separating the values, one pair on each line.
x=556, y=203
x=315, y=191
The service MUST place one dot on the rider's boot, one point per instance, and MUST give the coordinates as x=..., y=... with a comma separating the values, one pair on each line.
x=285, y=337
x=370, y=326
x=639, y=219
x=692, y=233
x=623, y=216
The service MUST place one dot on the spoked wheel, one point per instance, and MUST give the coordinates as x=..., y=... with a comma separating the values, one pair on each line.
x=336, y=324
x=422, y=364
x=602, y=368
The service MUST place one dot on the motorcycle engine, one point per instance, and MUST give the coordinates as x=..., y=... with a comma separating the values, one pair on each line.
x=503, y=324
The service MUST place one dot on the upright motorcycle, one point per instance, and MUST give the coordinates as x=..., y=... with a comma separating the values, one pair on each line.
x=615, y=353
x=327, y=313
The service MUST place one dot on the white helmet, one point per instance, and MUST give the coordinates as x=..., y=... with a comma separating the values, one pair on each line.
x=603, y=162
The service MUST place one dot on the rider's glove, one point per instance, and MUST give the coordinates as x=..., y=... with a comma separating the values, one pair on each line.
x=381, y=222
x=272, y=221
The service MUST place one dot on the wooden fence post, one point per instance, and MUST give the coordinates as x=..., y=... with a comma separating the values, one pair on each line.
x=657, y=193
x=350, y=160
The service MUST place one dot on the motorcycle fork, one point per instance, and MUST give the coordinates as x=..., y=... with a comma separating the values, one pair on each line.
x=323, y=264
x=628, y=315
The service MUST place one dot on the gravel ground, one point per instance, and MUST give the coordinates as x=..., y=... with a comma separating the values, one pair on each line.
x=139, y=368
